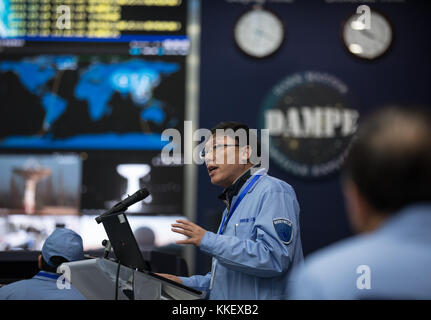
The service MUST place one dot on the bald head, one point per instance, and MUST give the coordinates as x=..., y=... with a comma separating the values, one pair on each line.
x=390, y=160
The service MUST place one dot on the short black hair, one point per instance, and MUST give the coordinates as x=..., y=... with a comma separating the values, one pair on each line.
x=235, y=126
x=390, y=158
x=56, y=261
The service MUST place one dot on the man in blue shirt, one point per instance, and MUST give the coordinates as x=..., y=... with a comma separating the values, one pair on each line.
x=258, y=240
x=388, y=195
x=63, y=245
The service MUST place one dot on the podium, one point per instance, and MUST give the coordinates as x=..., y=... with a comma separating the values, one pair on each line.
x=96, y=280
x=130, y=277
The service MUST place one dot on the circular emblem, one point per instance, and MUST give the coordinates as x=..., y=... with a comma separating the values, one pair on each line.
x=311, y=121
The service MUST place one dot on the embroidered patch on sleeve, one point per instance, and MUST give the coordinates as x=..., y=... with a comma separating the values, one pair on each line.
x=284, y=229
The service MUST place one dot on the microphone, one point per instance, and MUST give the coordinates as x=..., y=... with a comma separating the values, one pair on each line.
x=123, y=205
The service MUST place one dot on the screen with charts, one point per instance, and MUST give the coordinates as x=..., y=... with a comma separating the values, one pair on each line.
x=91, y=20
x=86, y=90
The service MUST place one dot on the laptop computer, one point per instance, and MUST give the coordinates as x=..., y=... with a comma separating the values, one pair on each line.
x=123, y=242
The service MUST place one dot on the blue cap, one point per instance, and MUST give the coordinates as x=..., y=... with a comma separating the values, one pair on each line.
x=64, y=243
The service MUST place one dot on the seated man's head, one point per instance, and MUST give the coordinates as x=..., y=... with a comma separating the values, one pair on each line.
x=145, y=237
x=389, y=166
x=228, y=151
x=63, y=245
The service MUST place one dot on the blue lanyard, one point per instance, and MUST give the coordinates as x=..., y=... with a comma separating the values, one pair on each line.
x=48, y=275
x=241, y=196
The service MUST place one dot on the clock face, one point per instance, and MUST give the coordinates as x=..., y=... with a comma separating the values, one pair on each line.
x=259, y=33
x=367, y=43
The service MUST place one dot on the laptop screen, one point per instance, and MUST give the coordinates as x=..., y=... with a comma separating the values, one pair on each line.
x=123, y=242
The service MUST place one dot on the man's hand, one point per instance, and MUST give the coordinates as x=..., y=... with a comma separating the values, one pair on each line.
x=189, y=229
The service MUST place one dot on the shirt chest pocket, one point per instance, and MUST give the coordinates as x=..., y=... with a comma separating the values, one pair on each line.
x=243, y=228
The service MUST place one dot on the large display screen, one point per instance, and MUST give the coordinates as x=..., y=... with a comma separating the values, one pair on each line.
x=81, y=102
x=40, y=184
x=90, y=20
x=22, y=232
x=86, y=89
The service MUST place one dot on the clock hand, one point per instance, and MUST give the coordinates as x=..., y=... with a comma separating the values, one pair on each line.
x=368, y=34
x=264, y=35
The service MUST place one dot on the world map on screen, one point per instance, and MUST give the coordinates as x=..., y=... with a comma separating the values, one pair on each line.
x=95, y=84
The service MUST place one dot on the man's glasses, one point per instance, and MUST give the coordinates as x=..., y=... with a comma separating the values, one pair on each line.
x=216, y=147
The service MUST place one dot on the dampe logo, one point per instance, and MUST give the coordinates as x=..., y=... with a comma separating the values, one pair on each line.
x=311, y=120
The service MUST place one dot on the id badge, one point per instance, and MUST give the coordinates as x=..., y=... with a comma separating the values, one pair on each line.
x=213, y=269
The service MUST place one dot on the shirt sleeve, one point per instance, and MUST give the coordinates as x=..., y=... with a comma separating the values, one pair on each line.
x=264, y=254
x=197, y=282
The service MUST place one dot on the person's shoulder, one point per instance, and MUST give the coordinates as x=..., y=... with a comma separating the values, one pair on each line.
x=341, y=248
x=10, y=290
x=331, y=272
x=15, y=284
x=343, y=257
x=269, y=183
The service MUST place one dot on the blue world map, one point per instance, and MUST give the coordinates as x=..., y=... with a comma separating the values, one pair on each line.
x=98, y=81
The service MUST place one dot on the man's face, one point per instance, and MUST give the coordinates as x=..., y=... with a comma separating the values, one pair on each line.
x=224, y=159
